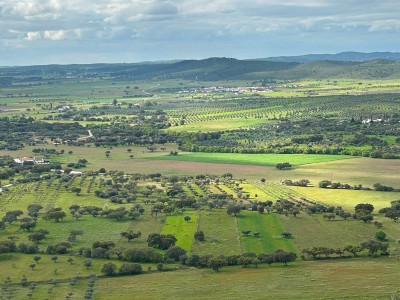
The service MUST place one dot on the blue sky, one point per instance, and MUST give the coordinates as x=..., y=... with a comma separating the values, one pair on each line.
x=89, y=31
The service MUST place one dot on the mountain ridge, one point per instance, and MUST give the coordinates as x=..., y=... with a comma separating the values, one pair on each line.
x=210, y=69
x=342, y=56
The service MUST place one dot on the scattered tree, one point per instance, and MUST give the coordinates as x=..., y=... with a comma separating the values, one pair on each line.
x=380, y=236
x=130, y=235
x=161, y=241
x=88, y=263
x=199, y=236
x=233, y=209
x=109, y=269
x=216, y=263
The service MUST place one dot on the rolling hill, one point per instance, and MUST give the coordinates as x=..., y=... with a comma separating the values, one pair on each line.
x=209, y=69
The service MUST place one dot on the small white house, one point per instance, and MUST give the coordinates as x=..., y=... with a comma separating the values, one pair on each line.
x=31, y=160
x=75, y=173
x=25, y=159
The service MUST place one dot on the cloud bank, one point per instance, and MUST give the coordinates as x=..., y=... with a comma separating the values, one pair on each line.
x=70, y=31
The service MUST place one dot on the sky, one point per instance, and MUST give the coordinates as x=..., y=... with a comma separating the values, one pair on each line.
x=34, y=32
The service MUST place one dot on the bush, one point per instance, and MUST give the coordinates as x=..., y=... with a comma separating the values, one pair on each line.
x=109, y=269
x=199, y=236
x=130, y=269
x=175, y=253
x=143, y=255
x=161, y=241
x=380, y=236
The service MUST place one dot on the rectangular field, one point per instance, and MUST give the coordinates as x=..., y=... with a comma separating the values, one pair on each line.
x=182, y=230
x=270, y=228
x=221, y=234
x=252, y=159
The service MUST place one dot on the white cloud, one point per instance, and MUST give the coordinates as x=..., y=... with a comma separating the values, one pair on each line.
x=53, y=35
x=33, y=35
x=385, y=25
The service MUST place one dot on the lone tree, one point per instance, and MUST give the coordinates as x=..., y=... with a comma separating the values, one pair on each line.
x=88, y=263
x=130, y=235
x=187, y=218
x=216, y=263
x=283, y=166
x=27, y=224
x=199, y=236
x=175, y=253
x=76, y=190
x=73, y=234
x=37, y=237
x=33, y=209
x=286, y=235
x=364, y=207
x=161, y=241
x=380, y=236
x=55, y=214
x=109, y=269
x=12, y=216
x=364, y=216
x=283, y=256
x=233, y=210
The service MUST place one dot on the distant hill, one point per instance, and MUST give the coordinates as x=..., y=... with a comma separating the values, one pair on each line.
x=209, y=69
x=343, y=56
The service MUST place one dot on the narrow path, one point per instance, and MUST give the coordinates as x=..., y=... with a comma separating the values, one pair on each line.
x=238, y=235
x=86, y=137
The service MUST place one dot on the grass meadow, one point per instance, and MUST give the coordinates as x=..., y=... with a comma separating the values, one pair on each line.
x=181, y=229
x=335, y=279
x=252, y=159
x=270, y=228
x=345, y=169
x=221, y=233
x=217, y=125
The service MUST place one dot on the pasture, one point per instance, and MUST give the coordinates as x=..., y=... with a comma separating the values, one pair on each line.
x=221, y=234
x=336, y=279
x=269, y=227
x=252, y=159
x=181, y=229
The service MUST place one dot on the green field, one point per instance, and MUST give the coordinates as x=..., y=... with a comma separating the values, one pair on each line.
x=227, y=124
x=348, y=198
x=342, y=279
x=270, y=228
x=182, y=230
x=221, y=234
x=252, y=159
